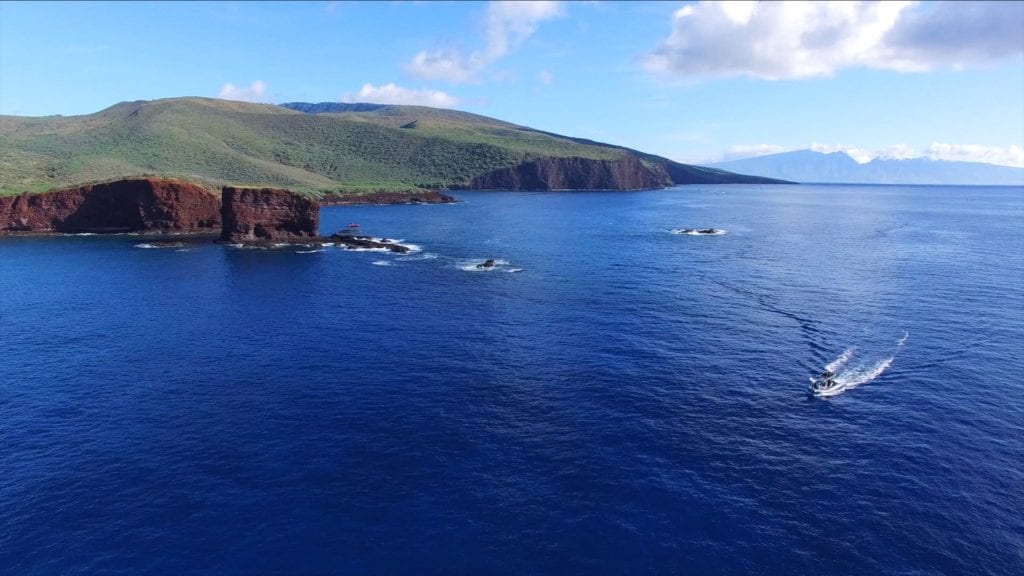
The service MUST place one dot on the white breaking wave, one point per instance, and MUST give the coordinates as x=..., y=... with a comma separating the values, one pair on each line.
x=903, y=340
x=313, y=251
x=360, y=249
x=381, y=263
x=424, y=256
x=699, y=232
x=413, y=248
x=157, y=246
x=473, y=266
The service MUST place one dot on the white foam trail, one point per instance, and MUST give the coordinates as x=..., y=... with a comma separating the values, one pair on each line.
x=903, y=340
x=853, y=378
x=381, y=263
x=314, y=251
x=840, y=361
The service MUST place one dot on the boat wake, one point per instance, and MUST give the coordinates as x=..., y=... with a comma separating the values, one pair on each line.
x=838, y=363
x=861, y=373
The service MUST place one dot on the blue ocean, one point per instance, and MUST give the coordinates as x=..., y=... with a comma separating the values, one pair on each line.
x=613, y=396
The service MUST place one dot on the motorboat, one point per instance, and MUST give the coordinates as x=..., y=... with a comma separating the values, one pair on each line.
x=826, y=384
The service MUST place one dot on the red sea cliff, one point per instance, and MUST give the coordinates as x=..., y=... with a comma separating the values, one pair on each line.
x=132, y=205
x=267, y=214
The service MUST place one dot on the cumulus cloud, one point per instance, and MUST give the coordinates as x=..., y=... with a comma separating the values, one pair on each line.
x=445, y=64
x=959, y=34
x=254, y=93
x=741, y=151
x=784, y=40
x=393, y=94
x=1010, y=156
x=859, y=154
x=898, y=152
x=507, y=26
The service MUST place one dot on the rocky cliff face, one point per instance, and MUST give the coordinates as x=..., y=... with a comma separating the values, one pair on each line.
x=133, y=205
x=561, y=173
x=267, y=214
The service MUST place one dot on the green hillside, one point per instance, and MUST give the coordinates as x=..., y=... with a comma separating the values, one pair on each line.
x=218, y=142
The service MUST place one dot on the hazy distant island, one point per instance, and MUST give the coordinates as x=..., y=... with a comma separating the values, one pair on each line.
x=840, y=168
x=140, y=166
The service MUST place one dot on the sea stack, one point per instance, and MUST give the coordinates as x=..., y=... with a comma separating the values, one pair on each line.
x=253, y=214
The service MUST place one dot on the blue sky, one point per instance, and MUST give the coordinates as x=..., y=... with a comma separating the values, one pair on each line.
x=694, y=81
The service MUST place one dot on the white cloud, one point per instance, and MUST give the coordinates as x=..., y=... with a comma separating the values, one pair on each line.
x=392, y=94
x=741, y=151
x=783, y=40
x=254, y=93
x=959, y=34
x=898, y=152
x=447, y=64
x=859, y=154
x=545, y=77
x=507, y=26
x=1011, y=156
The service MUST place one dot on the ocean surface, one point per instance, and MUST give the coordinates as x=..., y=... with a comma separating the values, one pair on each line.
x=610, y=398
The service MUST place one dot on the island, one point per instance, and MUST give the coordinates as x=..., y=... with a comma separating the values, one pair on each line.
x=163, y=165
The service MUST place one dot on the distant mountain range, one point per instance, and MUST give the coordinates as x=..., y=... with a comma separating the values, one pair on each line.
x=839, y=167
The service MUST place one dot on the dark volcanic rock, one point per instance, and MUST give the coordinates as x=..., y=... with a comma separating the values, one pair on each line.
x=367, y=242
x=489, y=263
x=267, y=214
x=131, y=205
x=573, y=173
x=431, y=197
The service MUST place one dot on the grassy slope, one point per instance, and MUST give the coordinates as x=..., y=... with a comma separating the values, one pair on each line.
x=218, y=142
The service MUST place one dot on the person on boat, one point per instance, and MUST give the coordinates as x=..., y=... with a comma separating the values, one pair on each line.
x=827, y=379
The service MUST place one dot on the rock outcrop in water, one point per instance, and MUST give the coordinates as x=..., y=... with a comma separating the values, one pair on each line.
x=573, y=173
x=131, y=205
x=366, y=242
x=253, y=214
